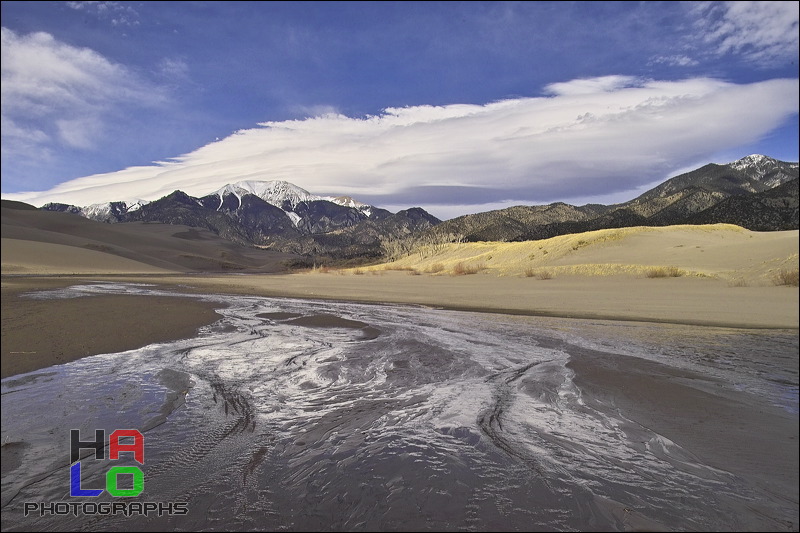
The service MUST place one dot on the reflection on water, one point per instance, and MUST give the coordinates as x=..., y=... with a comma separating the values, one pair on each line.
x=300, y=415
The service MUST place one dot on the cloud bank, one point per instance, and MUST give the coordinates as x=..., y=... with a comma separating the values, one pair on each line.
x=758, y=31
x=582, y=138
x=55, y=94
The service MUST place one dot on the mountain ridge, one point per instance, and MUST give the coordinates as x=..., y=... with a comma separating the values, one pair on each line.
x=675, y=201
x=756, y=191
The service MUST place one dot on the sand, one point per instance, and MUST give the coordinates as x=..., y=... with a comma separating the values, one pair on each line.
x=717, y=251
x=63, y=330
x=733, y=433
x=41, y=333
x=726, y=278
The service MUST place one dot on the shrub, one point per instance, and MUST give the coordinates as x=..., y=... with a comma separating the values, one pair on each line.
x=544, y=274
x=664, y=272
x=462, y=270
x=398, y=268
x=435, y=268
x=786, y=277
x=358, y=272
x=529, y=272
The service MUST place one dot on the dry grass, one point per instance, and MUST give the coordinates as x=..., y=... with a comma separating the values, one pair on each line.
x=463, y=270
x=435, y=268
x=664, y=272
x=358, y=272
x=538, y=273
x=398, y=268
x=414, y=272
x=786, y=277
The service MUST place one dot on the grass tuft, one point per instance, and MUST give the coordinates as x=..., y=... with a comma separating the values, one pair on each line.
x=786, y=277
x=463, y=270
x=664, y=272
x=435, y=268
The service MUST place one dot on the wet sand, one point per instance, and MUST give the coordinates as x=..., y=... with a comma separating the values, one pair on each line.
x=690, y=301
x=40, y=333
x=511, y=429
x=735, y=433
x=60, y=331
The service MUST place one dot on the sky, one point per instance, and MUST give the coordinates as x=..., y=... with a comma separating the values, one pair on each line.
x=456, y=107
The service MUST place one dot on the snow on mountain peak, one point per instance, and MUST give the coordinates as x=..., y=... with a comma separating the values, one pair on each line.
x=279, y=192
x=106, y=209
x=346, y=201
x=767, y=170
x=275, y=192
x=758, y=161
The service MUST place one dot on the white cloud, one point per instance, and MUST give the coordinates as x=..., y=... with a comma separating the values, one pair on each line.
x=575, y=144
x=674, y=61
x=78, y=132
x=591, y=85
x=55, y=91
x=174, y=69
x=117, y=13
x=759, y=31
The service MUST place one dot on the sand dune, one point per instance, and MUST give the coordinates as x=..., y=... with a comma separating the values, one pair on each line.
x=86, y=246
x=720, y=251
x=31, y=257
x=726, y=280
x=726, y=274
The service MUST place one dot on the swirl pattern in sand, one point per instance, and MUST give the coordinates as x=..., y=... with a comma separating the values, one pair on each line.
x=304, y=415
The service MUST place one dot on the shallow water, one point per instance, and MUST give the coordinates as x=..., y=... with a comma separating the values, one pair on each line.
x=303, y=415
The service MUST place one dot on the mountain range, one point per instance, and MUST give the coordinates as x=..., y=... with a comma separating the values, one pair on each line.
x=756, y=192
x=276, y=215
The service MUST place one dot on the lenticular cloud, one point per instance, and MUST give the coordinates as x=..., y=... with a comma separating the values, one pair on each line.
x=585, y=137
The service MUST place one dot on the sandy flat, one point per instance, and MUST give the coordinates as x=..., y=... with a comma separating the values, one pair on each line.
x=31, y=257
x=718, y=251
x=41, y=333
x=726, y=279
x=686, y=300
x=736, y=433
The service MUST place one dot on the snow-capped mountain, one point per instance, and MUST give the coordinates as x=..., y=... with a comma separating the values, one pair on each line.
x=756, y=192
x=274, y=192
x=102, y=212
x=767, y=170
x=283, y=194
x=291, y=206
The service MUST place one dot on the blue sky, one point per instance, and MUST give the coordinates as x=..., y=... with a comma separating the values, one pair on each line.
x=455, y=107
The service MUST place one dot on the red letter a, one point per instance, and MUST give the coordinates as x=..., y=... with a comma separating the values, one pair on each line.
x=114, y=447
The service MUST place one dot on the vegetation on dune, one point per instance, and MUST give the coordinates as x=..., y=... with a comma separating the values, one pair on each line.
x=787, y=277
x=665, y=272
x=460, y=269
